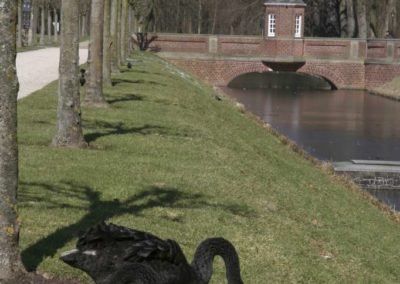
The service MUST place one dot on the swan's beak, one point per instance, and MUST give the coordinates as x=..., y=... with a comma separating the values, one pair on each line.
x=70, y=256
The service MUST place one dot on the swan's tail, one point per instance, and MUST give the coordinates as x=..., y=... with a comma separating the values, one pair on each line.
x=204, y=257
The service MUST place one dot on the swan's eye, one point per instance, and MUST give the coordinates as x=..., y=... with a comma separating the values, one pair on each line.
x=90, y=252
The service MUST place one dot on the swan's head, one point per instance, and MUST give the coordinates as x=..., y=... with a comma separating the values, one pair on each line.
x=93, y=262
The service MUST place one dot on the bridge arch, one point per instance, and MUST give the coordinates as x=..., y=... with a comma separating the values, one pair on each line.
x=329, y=74
x=234, y=70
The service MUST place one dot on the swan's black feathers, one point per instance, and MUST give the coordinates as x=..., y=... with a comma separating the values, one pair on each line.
x=113, y=254
x=105, y=235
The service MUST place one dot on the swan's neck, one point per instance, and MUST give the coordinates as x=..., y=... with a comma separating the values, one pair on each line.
x=204, y=257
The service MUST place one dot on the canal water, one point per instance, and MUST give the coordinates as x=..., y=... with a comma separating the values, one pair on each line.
x=339, y=125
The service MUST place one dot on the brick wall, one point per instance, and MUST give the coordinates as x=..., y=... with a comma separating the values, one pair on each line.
x=180, y=43
x=343, y=75
x=318, y=48
x=379, y=74
x=219, y=72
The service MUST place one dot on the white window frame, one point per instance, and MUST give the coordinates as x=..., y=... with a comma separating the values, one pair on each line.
x=298, y=26
x=271, y=25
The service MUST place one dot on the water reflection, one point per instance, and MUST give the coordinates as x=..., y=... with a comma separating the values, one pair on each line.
x=390, y=197
x=331, y=125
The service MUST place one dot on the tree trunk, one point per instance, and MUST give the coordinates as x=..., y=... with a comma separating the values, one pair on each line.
x=42, y=26
x=362, y=25
x=83, y=25
x=214, y=18
x=119, y=13
x=69, y=130
x=114, y=37
x=107, y=44
x=9, y=227
x=94, y=87
x=55, y=25
x=390, y=12
x=19, y=39
x=49, y=20
x=351, y=21
x=34, y=21
x=130, y=30
x=124, y=17
x=199, y=22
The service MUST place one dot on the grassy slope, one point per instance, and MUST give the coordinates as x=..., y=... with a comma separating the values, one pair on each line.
x=170, y=159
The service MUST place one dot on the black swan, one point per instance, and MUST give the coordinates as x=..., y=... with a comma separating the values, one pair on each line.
x=82, y=79
x=112, y=254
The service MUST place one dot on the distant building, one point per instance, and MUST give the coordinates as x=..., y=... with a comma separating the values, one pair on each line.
x=284, y=18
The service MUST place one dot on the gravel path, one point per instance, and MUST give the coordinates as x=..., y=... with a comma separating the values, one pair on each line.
x=38, y=68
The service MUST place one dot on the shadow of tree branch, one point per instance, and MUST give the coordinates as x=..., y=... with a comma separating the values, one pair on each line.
x=98, y=210
x=119, y=129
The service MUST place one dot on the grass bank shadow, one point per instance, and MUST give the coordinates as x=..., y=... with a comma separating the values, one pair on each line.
x=115, y=82
x=98, y=210
x=118, y=128
x=125, y=98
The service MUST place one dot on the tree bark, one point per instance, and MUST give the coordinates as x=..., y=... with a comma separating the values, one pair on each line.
x=199, y=19
x=130, y=29
x=55, y=25
x=9, y=227
x=107, y=44
x=34, y=22
x=19, y=39
x=118, y=42
x=83, y=25
x=351, y=22
x=123, y=41
x=94, y=87
x=69, y=130
x=362, y=25
x=49, y=24
x=214, y=18
x=114, y=37
x=42, y=26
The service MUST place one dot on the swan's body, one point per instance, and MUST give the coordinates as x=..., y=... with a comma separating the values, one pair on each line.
x=113, y=254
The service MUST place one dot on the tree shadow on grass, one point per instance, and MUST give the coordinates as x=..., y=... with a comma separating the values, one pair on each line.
x=141, y=72
x=70, y=196
x=125, y=98
x=115, y=82
x=119, y=129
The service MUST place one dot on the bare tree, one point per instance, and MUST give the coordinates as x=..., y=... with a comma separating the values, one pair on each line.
x=107, y=44
x=9, y=228
x=123, y=30
x=69, y=130
x=114, y=36
x=42, y=24
x=94, y=87
x=19, y=38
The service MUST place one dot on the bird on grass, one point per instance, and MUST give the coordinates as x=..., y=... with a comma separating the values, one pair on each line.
x=112, y=254
x=82, y=79
x=129, y=65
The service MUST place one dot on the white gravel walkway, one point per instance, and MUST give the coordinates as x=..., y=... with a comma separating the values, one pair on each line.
x=38, y=68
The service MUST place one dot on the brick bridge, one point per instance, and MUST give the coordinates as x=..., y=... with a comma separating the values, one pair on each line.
x=345, y=63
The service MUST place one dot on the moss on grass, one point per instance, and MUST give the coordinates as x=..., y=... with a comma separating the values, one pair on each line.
x=169, y=158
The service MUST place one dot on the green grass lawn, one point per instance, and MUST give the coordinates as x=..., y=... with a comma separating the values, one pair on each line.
x=168, y=158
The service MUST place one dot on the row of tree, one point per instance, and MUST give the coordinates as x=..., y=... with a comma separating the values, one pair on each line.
x=327, y=18
x=324, y=18
x=108, y=47
x=42, y=25
x=353, y=18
